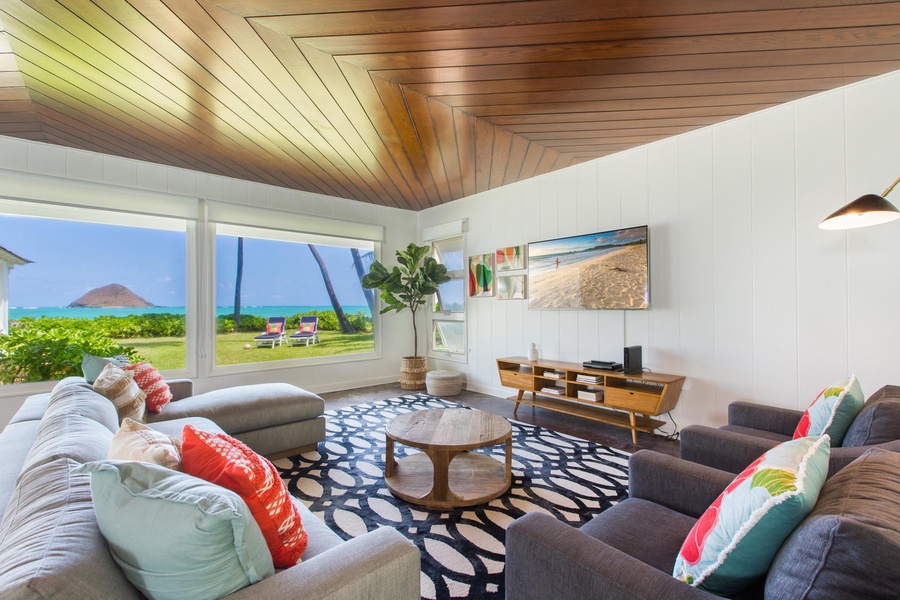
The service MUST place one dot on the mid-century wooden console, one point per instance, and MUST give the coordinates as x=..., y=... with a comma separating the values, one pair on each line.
x=606, y=396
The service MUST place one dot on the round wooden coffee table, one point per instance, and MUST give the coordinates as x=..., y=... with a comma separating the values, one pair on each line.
x=445, y=475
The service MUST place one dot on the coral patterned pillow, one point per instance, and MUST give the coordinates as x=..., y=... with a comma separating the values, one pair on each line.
x=734, y=541
x=307, y=327
x=273, y=328
x=151, y=381
x=833, y=411
x=225, y=461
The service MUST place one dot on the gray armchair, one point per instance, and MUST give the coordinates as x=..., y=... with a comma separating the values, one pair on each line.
x=847, y=548
x=754, y=428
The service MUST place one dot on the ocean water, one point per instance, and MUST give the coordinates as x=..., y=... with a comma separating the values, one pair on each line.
x=91, y=313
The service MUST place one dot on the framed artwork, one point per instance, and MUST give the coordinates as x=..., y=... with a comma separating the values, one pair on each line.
x=481, y=275
x=511, y=287
x=511, y=258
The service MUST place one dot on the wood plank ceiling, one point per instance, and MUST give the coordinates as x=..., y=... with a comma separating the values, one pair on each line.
x=413, y=104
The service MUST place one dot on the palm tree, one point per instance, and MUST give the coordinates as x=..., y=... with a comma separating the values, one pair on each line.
x=237, y=284
x=346, y=327
x=361, y=272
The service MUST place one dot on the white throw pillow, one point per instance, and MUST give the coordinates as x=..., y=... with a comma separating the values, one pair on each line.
x=136, y=441
x=119, y=386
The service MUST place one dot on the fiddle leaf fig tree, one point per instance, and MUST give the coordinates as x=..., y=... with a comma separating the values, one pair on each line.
x=408, y=285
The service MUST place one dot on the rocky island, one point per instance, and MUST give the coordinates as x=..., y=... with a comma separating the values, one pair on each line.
x=113, y=295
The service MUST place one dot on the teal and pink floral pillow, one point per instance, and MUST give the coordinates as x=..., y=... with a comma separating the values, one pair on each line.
x=274, y=328
x=833, y=411
x=734, y=541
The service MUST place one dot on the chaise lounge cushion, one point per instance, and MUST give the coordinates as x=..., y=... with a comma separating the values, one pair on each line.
x=849, y=545
x=247, y=407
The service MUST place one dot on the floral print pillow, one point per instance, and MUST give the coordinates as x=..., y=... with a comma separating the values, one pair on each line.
x=833, y=411
x=734, y=541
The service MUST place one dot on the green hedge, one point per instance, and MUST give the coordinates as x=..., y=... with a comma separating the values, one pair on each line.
x=50, y=348
x=47, y=350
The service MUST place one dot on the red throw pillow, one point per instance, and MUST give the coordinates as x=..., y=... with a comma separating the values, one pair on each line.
x=307, y=327
x=225, y=461
x=152, y=383
x=273, y=328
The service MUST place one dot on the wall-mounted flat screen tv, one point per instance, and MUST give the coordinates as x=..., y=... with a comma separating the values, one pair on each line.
x=606, y=270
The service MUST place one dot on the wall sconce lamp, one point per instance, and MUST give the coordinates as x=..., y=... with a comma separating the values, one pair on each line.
x=870, y=209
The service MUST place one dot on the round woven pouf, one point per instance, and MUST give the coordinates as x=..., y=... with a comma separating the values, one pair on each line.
x=443, y=383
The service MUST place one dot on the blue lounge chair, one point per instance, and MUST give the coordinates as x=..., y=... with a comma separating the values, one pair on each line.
x=274, y=333
x=308, y=331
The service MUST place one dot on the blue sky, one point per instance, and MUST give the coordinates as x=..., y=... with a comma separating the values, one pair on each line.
x=583, y=242
x=71, y=258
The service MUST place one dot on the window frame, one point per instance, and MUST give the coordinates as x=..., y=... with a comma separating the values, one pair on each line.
x=448, y=316
x=289, y=236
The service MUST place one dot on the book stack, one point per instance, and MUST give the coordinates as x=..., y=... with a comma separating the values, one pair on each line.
x=584, y=378
x=552, y=390
x=552, y=375
x=590, y=396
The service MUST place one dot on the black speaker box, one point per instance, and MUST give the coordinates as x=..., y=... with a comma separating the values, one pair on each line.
x=632, y=362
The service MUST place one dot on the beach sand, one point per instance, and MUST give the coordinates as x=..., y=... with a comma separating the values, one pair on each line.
x=616, y=280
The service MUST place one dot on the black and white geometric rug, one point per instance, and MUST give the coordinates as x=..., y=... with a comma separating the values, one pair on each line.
x=462, y=549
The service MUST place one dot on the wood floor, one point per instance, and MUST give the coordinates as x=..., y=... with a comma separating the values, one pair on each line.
x=615, y=437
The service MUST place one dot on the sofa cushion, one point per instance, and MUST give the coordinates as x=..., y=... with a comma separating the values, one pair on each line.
x=877, y=423
x=653, y=536
x=73, y=395
x=247, y=407
x=760, y=433
x=223, y=460
x=50, y=545
x=849, y=545
x=136, y=441
x=832, y=411
x=32, y=409
x=68, y=435
x=734, y=541
x=16, y=440
x=118, y=385
x=176, y=536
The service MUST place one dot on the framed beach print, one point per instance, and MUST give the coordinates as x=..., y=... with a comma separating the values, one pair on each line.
x=511, y=287
x=481, y=275
x=511, y=258
x=604, y=270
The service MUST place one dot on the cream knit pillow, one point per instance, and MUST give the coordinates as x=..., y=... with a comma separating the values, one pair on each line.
x=136, y=441
x=118, y=385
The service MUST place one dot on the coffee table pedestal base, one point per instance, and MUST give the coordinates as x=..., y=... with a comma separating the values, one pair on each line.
x=469, y=479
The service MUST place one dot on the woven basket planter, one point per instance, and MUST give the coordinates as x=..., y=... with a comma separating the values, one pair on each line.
x=412, y=372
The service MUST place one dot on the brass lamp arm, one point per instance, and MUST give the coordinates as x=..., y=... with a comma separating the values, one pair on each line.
x=888, y=191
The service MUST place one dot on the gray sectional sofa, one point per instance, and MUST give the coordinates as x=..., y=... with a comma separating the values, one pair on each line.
x=51, y=545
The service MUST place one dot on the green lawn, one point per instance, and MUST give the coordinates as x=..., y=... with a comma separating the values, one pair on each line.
x=167, y=353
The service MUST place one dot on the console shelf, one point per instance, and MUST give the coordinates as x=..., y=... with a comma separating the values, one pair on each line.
x=606, y=396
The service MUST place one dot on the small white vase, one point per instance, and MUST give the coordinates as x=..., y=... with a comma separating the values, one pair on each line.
x=532, y=352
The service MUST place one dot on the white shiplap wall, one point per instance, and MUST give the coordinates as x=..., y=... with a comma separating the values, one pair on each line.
x=750, y=300
x=125, y=174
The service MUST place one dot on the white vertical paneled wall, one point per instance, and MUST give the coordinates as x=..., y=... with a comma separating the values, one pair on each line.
x=125, y=174
x=750, y=300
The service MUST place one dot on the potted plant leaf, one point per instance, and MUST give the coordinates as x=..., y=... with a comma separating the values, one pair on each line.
x=408, y=286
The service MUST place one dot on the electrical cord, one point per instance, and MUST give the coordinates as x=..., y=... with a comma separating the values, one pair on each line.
x=674, y=435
